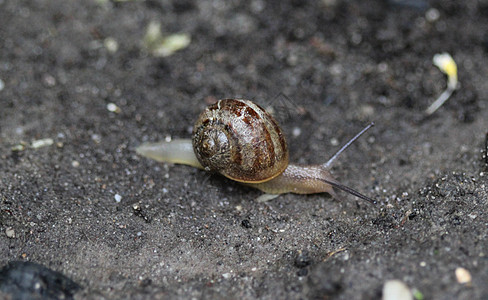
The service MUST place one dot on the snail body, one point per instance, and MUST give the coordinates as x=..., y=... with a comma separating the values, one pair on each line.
x=240, y=140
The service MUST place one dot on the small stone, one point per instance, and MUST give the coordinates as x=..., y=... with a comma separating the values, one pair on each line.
x=396, y=290
x=96, y=138
x=111, y=44
x=112, y=107
x=49, y=80
x=10, y=232
x=75, y=164
x=246, y=223
x=118, y=198
x=28, y=280
x=432, y=15
x=296, y=131
x=462, y=275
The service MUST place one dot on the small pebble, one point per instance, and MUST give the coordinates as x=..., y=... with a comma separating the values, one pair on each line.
x=96, y=138
x=111, y=44
x=118, y=198
x=366, y=111
x=396, y=290
x=112, y=107
x=2, y=85
x=296, y=131
x=462, y=275
x=75, y=164
x=49, y=80
x=246, y=223
x=226, y=275
x=10, y=232
x=432, y=15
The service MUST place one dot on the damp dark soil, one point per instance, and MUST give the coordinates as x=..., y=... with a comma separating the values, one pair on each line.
x=79, y=91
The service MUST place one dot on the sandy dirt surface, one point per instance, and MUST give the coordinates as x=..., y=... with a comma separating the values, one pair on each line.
x=121, y=226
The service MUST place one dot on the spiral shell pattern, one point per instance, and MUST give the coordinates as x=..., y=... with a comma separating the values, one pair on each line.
x=240, y=140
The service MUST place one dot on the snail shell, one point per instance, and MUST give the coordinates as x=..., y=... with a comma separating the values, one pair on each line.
x=240, y=140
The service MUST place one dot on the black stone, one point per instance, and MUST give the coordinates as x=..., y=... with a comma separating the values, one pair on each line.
x=28, y=280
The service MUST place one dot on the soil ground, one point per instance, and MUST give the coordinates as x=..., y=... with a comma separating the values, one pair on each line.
x=122, y=226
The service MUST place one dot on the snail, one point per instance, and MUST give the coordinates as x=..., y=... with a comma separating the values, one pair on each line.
x=240, y=140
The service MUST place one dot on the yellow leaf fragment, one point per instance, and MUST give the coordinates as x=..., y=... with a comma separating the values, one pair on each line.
x=447, y=65
x=42, y=143
x=160, y=46
x=19, y=147
x=173, y=43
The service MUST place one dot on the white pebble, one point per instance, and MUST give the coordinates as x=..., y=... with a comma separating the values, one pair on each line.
x=75, y=164
x=112, y=107
x=396, y=290
x=296, y=131
x=463, y=276
x=2, y=85
x=118, y=198
x=432, y=15
x=49, y=80
x=111, y=44
x=10, y=232
x=96, y=138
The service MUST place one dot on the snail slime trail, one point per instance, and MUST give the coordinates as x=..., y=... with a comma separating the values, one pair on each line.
x=240, y=140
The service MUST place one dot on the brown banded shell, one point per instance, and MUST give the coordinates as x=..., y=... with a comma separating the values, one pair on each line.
x=240, y=140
